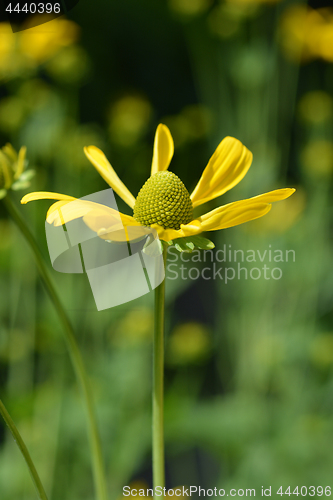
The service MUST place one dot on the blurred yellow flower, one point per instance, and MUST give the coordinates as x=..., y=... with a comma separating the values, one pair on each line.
x=134, y=328
x=164, y=203
x=69, y=65
x=192, y=123
x=227, y=18
x=189, y=8
x=317, y=158
x=7, y=39
x=307, y=34
x=12, y=62
x=135, y=485
x=188, y=343
x=321, y=350
x=129, y=118
x=224, y=20
x=27, y=49
x=269, y=350
x=315, y=107
x=42, y=42
x=249, y=2
x=312, y=425
x=12, y=166
x=13, y=110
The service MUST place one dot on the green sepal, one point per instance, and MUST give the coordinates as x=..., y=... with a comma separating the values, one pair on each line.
x=24, y=181
x=27, y=175
x=3, y=193
x=190, y=243
x=20, y=185
x=201, y=242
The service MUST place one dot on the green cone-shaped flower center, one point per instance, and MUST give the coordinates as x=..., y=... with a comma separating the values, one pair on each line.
x=163, y=200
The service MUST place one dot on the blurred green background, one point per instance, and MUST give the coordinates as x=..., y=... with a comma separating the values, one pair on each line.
x=249, y=378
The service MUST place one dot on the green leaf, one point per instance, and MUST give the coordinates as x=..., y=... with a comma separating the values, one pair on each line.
x=201, y=242
x=3, y=193
x=190, y=243
x=183, y=246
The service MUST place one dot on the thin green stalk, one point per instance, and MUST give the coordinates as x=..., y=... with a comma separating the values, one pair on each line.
x=158, y=376
x=26, y=455
x=74, y=352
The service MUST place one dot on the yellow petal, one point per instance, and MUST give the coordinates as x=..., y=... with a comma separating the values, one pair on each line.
x=99, y=218
x=106, y=222
x=163, y=149
x=20, y=162
x=62, y=212
x=242, y=211
x=102, y=218
x=192, y=228
x=95, y=215
x=225, y=169
x=167, y=234
x=233, y=215
x=271, y=196
x=102, y=165
x=124, y=233
x=45, y=195
x=112, y=225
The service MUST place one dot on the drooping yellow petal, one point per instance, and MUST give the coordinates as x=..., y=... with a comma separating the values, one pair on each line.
x=163, y=149
x=45, y=195
x=225, y=169
x=234, y=214
x=124, y=233
x=102, y=165
x=106, y=222
x=112, y=225
x=272, y=196
x=95, y=215
x=242, y=211
x=103, y=218
x=62, y=212
x=99, y=218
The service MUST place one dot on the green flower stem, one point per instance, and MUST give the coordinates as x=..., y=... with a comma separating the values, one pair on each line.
x=76, y=358
x=26, y=455
x=158, y=375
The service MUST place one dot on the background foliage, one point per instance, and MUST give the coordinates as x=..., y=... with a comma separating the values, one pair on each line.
x=248, y=363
